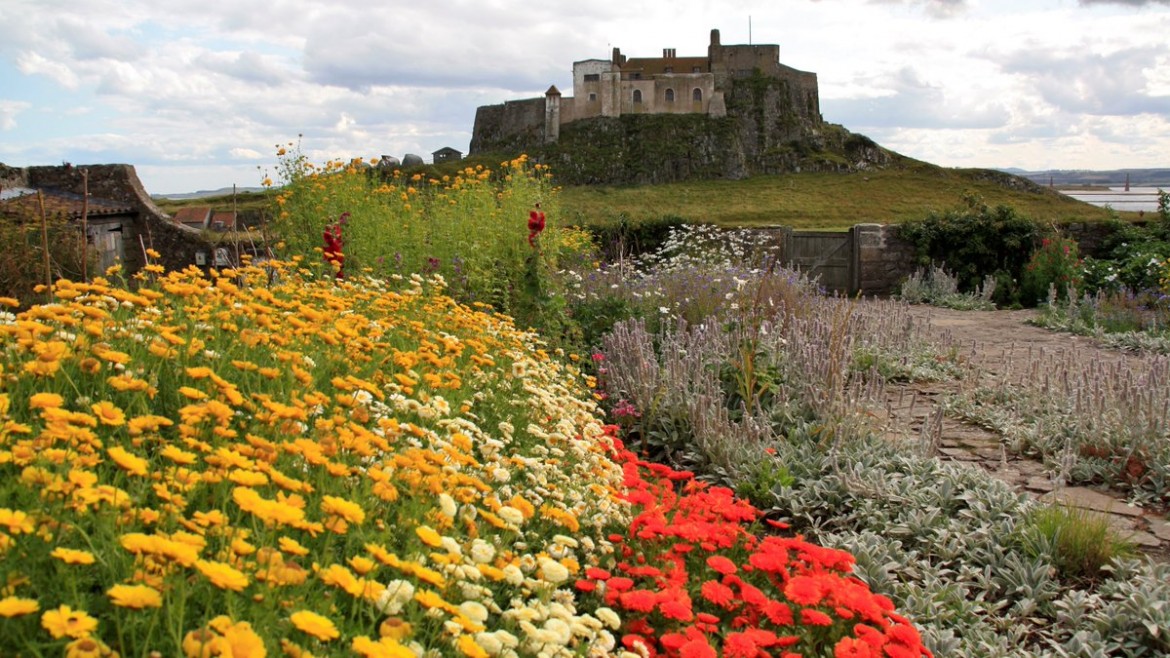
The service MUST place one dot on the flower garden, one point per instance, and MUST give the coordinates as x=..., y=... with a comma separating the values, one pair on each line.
x=277, y=460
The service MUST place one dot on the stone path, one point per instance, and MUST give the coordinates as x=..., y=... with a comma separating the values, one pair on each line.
x=998, y=345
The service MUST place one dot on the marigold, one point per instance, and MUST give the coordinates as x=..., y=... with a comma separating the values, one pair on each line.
x=13, y=606
x=135, y=596
x=128, y=461
x=88, y=647
x=314, y=624
x=850, y=647
x=222, y=575
x=334, y=506
x=15, y=521
x=72, y=556
x=65, y=621
x=108, y=413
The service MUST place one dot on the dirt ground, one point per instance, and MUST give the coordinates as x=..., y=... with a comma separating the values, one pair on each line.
x=998, y=345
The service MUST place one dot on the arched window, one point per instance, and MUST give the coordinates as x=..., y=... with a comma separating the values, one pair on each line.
x=697, y=95
x=637, y=95
x=669, y=95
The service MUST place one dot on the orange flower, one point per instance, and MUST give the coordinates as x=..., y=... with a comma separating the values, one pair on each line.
x=108, y=414
x=314, y=624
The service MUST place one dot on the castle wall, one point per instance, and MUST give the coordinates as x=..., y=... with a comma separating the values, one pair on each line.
x=509, y=126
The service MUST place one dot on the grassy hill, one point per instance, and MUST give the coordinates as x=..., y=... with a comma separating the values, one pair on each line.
x=828, y=201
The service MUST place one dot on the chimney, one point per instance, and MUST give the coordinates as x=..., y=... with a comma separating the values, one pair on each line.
x=617, y=57
x=668, y=53
x=714, y=37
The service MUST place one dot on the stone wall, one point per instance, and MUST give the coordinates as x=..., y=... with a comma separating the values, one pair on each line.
x=119, y=182
x=514, y=126
x=881, y=259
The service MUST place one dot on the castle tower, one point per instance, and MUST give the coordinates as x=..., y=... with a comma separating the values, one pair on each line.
x=552, y=114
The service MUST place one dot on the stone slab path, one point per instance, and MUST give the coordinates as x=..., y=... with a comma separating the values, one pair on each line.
x=999, y=345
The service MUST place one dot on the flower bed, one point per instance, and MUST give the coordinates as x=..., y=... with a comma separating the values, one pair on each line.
x=268, y=461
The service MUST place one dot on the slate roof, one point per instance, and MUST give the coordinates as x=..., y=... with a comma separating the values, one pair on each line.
x=24, y=202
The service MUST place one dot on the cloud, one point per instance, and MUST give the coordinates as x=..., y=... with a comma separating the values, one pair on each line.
x=1086, y=82
x=1128, y=3
x=905, y=100
x=8, y=112
x=933, y=8
x=245, y=154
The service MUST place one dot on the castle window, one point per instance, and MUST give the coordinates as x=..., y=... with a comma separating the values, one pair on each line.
x=697, y=95
x=592, y=97
x=669, y=69
x=696, y=69
x=592, y=77
x=637, y=95
x=669, y=95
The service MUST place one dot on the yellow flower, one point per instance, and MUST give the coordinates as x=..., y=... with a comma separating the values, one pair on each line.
x=383, y=648
x=13, y=606
x=65, y=621
x=135, y=596
x=289, y=545
x=429, y=536
x=15, y=521
x=244, y=641
x=203, y=643
x=131, y=463
x=45, y=401
x=108, y=413
x=72, y=556
x=395, y=629
x=314, y=624
x=223, y=576
x=352, y=512
x=88, y=647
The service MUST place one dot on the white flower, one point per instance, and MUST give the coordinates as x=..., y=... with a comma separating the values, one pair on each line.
x=553, y=571
x=608, y=617
x=397, y=594
x=511, y=515
x=482, y=552
x=474, y=610
x=448, y=505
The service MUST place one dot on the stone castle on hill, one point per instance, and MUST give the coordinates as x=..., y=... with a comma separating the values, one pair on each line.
x=623, y=86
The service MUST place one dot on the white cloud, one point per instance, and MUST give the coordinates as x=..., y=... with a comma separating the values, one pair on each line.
x=8, y=112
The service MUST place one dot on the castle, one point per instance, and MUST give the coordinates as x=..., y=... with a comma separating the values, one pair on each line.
x=641, y=85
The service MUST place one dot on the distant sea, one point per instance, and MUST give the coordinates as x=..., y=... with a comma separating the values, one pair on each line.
x=1135, y=200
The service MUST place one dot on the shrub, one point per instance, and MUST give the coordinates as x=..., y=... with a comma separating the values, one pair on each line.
x=976, y=241
x=1056, y=265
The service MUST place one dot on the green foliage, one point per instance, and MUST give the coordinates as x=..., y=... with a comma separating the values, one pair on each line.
x=470, y=227
x=937, y=287
x=1079, y=543
x=1056, y=265
x=624, y=237
x=976, y=241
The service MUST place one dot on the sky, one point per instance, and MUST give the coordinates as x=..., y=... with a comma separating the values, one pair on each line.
x=199, y=94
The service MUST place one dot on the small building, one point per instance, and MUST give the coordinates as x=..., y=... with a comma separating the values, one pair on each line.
x=446, y=154
x=196, y=217
x=108, y=223
x=223, y=220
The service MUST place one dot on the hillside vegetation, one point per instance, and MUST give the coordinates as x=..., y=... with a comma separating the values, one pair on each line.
x=828, y=201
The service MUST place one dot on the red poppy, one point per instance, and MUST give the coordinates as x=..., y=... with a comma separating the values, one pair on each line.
x=535, y=225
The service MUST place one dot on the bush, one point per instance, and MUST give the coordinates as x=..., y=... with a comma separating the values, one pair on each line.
x=974, y=242
x=1055, y=265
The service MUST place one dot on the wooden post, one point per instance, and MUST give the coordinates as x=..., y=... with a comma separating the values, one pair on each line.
x=85, y=225
x=45, y=246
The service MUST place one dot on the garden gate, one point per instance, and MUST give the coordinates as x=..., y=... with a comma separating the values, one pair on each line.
x=831, y=256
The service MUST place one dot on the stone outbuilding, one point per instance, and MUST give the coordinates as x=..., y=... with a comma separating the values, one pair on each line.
x=446, y=154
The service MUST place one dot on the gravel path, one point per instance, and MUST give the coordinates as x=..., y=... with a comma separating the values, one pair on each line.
x=999, y=345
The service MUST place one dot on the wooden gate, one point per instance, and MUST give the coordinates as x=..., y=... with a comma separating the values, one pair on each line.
x=826, y=255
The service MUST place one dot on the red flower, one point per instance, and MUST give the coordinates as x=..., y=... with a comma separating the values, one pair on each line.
x=804, y=590
x=334, y=244
x=639, y=600
x=697, y=649
x=721, y=565
x=850, y=647
x=535, y=225
x=717, y=593
x=740, y=645
x=810, y=617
